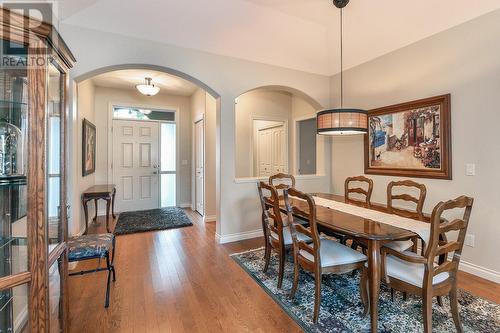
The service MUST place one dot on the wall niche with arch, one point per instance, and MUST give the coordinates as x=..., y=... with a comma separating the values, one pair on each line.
x=275, y=131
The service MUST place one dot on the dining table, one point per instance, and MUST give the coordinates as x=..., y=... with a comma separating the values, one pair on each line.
x=373, y=234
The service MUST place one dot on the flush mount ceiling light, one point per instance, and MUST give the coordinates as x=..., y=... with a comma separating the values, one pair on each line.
x=342, y=121
x=148, y=88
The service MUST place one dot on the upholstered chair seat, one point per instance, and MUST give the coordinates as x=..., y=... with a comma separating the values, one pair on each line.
x=409, y=272
x=400, y=246
x=90, y=246
x=333, y=253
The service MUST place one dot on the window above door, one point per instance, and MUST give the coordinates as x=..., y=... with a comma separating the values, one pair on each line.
x=142, y=114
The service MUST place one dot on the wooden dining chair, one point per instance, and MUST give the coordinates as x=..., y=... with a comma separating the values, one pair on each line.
x=322, y=255
x=277, y=232
x=367, y=193
x=416, y=214
x=420, y=274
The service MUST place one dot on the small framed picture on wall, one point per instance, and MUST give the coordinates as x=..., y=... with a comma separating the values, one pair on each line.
x=88, y=148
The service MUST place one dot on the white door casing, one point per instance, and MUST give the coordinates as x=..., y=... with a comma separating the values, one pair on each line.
x=135, y=165
x=271, y=150
x=199, y=143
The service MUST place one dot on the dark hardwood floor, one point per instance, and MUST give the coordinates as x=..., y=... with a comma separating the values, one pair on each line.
x=181, y=280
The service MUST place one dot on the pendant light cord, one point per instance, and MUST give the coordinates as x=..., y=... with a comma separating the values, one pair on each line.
x=341, y=58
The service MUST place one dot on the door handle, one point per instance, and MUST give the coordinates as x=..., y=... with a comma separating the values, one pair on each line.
x=155, y=172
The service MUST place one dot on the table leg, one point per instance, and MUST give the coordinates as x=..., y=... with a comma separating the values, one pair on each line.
x=86, y=213
x=108, y=206
x=113, y=203
x=374, y=282
x=95, y=216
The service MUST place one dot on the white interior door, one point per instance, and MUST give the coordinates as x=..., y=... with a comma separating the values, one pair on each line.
x=199, y=141
x=135, y=165
x=278, y=145
x=265, y=153
x=271, y=150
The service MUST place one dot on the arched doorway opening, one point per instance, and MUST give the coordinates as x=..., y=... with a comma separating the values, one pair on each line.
x=103, y=96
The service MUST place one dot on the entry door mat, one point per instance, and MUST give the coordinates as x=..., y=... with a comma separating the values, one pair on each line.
x=341, y=308
x=151, y=220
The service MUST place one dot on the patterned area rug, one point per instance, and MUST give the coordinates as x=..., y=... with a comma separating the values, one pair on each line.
x=150, y=220
x=341, y=306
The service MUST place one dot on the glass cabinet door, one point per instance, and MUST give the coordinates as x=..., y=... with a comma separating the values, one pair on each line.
x=54, y=156
x=55, y=297
x=13, y=183
x=55, y=195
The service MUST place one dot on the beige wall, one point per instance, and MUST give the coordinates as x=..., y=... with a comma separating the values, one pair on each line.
x=210, y=158
x=465, y=62
x=85, y=110
x=204, y=106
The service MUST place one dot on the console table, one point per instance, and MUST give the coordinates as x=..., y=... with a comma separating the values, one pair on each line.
x=105, y=192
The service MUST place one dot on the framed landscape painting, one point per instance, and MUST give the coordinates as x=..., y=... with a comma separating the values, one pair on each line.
x=88, y=147
x=410, y=139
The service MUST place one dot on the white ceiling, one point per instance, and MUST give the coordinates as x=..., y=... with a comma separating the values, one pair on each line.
x=297, y=34
x=129, y=78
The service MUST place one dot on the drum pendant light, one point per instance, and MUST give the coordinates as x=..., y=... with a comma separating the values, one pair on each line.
x=342, y=121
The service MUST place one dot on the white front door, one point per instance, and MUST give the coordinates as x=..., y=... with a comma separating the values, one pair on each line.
x=271, y=150
x=135, y=165
x=199, y=159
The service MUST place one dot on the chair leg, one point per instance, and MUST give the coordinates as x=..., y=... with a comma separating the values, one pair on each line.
x=440, y=301
x=267, y=257
x=364, y=290
x=405, y=296
x=392, y=294
x=454, y=308
x=317, y=295
x=296, y=272
x=427, y=312
x=108, y=283
x=281, y=267
x=114, y=273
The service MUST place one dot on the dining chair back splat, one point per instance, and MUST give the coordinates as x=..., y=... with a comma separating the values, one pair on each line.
x=322, y=255
x=367, y=193
x=277, y=233
x=282, y=181
x=417, y=214
x=419, y=274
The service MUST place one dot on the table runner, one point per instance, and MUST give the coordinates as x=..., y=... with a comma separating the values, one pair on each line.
x=422, y=229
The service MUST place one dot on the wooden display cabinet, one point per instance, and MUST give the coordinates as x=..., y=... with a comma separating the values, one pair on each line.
x=33, y=205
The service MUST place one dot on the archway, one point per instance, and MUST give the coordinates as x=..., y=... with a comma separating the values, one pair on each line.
x=134, y=66
x=275, y=131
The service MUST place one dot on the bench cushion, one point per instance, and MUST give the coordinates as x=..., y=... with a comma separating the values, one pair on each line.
x=90, y=246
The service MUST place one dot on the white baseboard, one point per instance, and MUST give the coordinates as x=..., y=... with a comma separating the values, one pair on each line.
x=209, y=218
x=482, y=272
x=185, y=205
x=223, y=239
